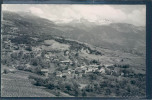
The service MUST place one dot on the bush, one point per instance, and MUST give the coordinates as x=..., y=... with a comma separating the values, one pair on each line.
x=21, y=67
x=50, y=86
x=6, y=71
x=14, y=55
x=34, y=61
x=39, y=81
x=28, y=48
x=57, y=93
x=94, y=62
x=24, y=39
x=84, y=93
x=93, y=76
x=122, y=66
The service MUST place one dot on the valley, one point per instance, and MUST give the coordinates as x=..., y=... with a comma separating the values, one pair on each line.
x=64, y=63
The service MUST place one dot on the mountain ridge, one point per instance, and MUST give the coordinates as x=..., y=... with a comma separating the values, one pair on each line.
x=115, y=36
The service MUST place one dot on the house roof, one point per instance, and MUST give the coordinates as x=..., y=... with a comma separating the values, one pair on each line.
x=65, y=61
x=58, y=72
x=44, y=70
x=65, y=71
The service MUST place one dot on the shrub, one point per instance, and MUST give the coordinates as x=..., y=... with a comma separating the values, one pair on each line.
x=50, y=86
x=14, y=55
x=39, y=81
x=84, y=93
x=24, y=39
x=57, y=93
x=93, y=76
x=21, y=67
x=122, y=66
x=6, y=71
x=28, y=48
x=34, y=61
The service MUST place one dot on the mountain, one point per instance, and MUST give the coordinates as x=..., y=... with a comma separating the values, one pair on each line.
x=114, y=36
x=92, y=57
x=28, y=23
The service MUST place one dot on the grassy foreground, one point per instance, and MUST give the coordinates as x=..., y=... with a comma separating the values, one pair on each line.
x=18, y=85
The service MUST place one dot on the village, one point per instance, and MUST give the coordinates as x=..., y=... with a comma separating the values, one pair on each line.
x=67, y=70
x=65, y=67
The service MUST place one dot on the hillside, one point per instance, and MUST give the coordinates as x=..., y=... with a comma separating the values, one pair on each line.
x=20, y=86
x=75, y=60
x=115, y=36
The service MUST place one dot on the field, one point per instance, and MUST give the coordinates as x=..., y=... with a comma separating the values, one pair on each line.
x=18, y=85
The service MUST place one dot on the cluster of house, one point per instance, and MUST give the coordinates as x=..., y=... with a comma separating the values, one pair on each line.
x=79, y=71
x=108, y=69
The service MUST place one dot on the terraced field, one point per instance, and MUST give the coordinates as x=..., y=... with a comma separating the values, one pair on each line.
x=18, y=85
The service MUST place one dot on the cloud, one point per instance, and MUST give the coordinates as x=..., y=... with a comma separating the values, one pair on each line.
x=137, y=17
x=93, y=13
x=35, y=10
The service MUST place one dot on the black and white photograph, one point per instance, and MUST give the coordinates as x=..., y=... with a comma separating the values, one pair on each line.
x=73, y=50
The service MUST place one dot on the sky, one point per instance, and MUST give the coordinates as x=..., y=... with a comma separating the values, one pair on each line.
x=100, y=14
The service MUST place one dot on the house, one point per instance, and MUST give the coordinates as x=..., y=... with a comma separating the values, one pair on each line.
x=66, y=53
x=45, y=72
x=83, y=66
x=75, y=76
x=58, y=73
x=22, y=46
x=66, y=74
x=80, y=74
x=72, y=71
x=27, y=65
x=14, y=29
x=47, y=56
x=94, y=66
x=117, y=70
x=16, y=47
x=55, y=60
x=89, y=70
x=85, y=51
x=66, y=62
x=65, y=71
x=122, y=74
x=84, y=69
x=106, y=65
x=78, y=70
x=102, y=70
x=110, y=67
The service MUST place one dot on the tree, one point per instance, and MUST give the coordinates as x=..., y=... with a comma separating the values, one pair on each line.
x=43, y=53
x=20, y=54
x=93, y=76
x=99, y=67
x=21, y=67
x=84, y=93
x=34, y=62
x=77, y=54
x=108, y=92
x=76, y=91
x=29, y=48
x=14, y=55
x=89, y=88
x=58, y=93
x=6, y=71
